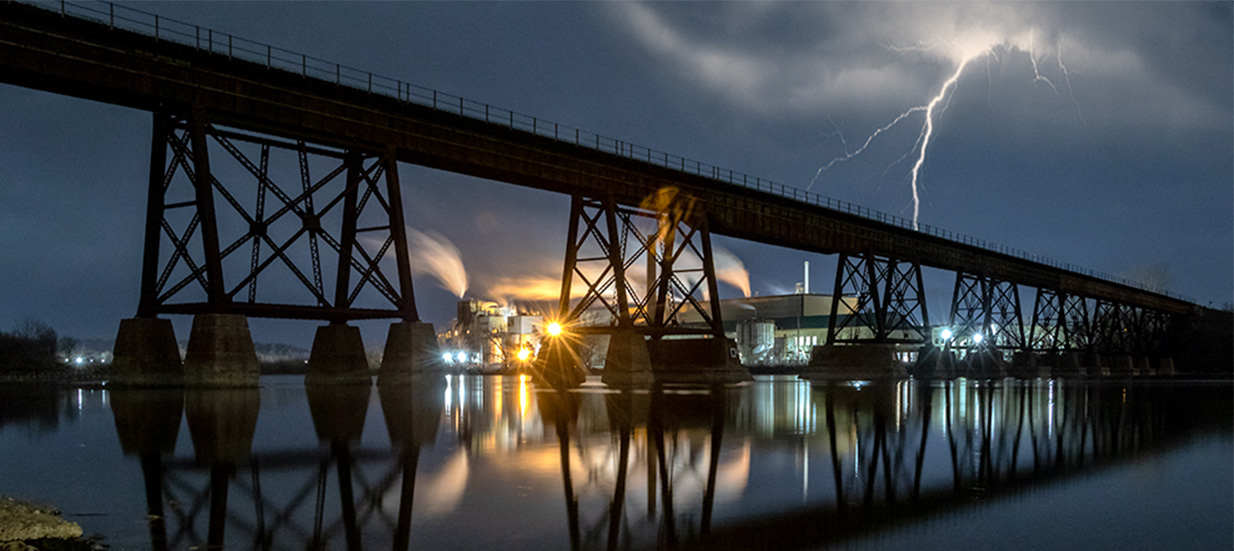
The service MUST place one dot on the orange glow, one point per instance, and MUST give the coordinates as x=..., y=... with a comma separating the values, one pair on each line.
x=554, y=329
x=524, y=354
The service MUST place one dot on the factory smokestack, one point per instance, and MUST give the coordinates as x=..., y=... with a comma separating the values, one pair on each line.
x=807, y=278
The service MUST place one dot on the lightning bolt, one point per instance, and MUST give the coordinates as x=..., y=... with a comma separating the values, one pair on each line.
x=1032, y=56
x=928, y=130
x=1067, y=80
x=848, y=155
x=936, y=107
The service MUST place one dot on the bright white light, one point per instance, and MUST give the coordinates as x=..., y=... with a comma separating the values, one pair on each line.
x=946, y=334
x=554, y=329
x=977, y=338
x=447, y=357
x=462, y=357
x=79, y=360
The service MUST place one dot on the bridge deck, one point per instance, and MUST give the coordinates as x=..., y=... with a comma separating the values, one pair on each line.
x=44, y=50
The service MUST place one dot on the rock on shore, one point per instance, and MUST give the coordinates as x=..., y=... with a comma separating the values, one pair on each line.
x=23, y=521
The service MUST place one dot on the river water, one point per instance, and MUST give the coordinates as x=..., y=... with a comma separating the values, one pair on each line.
x=469, y=462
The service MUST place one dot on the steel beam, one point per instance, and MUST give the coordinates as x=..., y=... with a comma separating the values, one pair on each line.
x=890, y=298
x=605, y=240
x=298, y=219
x=985, y=312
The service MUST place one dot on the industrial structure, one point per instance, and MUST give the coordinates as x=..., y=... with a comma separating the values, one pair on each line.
x=489, y=338
x=785, y=329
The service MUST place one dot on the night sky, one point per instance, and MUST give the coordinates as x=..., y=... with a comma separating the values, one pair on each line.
x=1096, y=133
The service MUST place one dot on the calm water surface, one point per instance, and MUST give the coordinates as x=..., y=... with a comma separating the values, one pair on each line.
x=493, y=462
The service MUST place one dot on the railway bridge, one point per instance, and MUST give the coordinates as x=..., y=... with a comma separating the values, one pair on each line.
x=257, y=151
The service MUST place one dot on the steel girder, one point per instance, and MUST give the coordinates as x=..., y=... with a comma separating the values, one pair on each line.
x=890, y=299
x=987, y=307
x=1106, y=328
x=1063, y=322
x=217, y=194
x=1060, y=321
x=606, y=243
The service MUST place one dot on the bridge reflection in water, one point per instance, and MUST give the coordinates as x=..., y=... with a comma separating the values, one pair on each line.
x=471, y=461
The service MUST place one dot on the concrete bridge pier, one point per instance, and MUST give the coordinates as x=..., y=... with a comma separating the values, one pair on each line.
x=861, y=362
x=1122, y=365
x=627, y=363
x=696, y=361
x=1165, y=367
x=411, y=351
x=338, y=356
x=1069, y=363
x=146, y=353
x=220, y=352
x=1095, y=364
x=1029, y=365
x=933, y=362
x=1142, y=366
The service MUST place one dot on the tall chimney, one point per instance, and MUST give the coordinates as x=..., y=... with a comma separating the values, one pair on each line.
x=807, y=278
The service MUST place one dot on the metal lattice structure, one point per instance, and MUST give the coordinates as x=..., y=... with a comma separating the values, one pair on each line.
x=206, y=180
x=987, y=307
x=890, y=298
x=606, y=243
x=1060, y=321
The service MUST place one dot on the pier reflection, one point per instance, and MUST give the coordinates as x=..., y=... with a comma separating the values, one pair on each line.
x=778, y=461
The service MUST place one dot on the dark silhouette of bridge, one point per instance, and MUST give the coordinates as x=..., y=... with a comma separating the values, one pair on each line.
x=221, y=100
x=899, y=454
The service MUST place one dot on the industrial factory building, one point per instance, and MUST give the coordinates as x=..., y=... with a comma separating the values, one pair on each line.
x=488, y=337
x=769, y=330
x=784, y=329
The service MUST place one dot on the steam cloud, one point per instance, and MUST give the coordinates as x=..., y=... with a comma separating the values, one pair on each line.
x=433, y=254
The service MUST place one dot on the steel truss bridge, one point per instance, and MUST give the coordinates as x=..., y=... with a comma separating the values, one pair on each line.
x=257, y=151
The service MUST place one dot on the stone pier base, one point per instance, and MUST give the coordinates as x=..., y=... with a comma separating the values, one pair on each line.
x=1122, y=365
x=220, y=352
x=696, y=361
x=933, y=362
x=861, y=362
x=411, y=350
x=338, y=356
x=1142, y=366
x=627, y=363
x=1027, y=365
x=1069, y=364
x=558, y=365
x=146, y=353
x=1165, y=367
x=1095, y=365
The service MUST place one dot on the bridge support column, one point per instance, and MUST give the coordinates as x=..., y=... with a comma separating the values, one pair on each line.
x=338, y=356
x=411, y=352
x=985, y=320
x=146, y=353
x=647, y=337
x=353, y=187
x=884, y=308
x=220, y=352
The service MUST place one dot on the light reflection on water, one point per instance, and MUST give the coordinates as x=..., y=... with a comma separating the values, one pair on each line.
x=470, y=462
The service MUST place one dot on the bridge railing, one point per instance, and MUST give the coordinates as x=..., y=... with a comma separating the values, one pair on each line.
x=162, y=28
